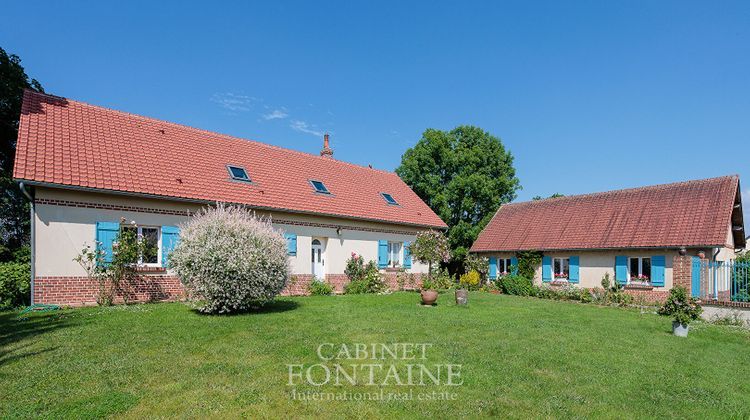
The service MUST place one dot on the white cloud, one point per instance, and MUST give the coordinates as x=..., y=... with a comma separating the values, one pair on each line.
x=276, y=114
x=234, y=102
x=304, y=127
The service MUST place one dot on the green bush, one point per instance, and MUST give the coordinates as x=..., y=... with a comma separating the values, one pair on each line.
x=470, y=280
x=490, y=286
x=513, y=284
x=319, y=288
x=563, y=293
x=372, y=282
x=14, y=284
x=682, y=307
x=442, y=280
x=611, y=293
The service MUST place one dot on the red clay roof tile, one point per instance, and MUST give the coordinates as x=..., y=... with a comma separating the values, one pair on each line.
x=684, y=214
x=69, y=143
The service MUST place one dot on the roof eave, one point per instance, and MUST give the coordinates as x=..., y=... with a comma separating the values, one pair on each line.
x=676, y=247
x=199, y=201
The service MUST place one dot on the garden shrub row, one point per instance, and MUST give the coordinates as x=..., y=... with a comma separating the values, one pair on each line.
x=611, y=293
x=14, y=284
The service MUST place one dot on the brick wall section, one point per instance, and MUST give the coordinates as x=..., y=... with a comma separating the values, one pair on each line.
x=658, y=296
x=298, y=284
x=682, y=271
x=79, y=291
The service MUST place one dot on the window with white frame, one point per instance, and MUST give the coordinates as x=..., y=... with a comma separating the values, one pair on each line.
x=152, y=241
x=561, y=268
x=395, y=254
x=503, y=266
x=639, y=269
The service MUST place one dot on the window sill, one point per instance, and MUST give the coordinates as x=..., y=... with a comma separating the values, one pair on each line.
x=559, y=282
x=639, y=286
x=393, y=269
x=147, y=269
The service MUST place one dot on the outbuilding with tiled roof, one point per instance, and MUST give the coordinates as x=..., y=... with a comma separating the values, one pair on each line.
x=630, y=235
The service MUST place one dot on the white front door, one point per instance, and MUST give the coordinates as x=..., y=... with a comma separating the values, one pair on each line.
x=318, y=263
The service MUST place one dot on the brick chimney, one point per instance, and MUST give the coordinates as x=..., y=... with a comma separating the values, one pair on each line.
x=326, y=151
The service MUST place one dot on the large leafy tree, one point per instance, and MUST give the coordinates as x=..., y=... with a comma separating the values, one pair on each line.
x=464, y=175
x=14, y=211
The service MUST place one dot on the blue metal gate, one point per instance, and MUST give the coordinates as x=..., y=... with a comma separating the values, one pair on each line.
x=721, y=280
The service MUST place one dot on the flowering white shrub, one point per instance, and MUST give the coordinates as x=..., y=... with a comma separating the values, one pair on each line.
x=231, y=259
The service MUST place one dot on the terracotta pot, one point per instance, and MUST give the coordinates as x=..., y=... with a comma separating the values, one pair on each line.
x=462, y=297
x=429, y=297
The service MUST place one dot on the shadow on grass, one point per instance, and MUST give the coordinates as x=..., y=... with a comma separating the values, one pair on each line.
x=277, y=306
x=14, y=329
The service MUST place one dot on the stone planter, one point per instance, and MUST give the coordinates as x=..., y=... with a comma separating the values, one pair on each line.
x=680, y=330
x=462, y=297
x=429, y=297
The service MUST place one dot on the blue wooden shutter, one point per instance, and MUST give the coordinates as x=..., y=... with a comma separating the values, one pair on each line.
x=546, y=268
x=407, y=255
x=382, y=254
x=695, y=281
x=493, y=267
x=291, y=243
x=169, y=237
x=574, y=270
x=514, y=265
x=657, y=270
x=621, y=269
x=106, y=233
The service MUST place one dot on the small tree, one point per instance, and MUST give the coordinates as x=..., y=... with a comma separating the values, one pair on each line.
x=115, y=277
x=231, y=259
x=430, y=247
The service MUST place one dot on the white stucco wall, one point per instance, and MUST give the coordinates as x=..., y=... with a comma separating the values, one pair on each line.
x=595, y=264
x=62, y=231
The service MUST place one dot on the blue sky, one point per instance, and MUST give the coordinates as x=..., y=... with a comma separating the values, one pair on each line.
x=588, y=96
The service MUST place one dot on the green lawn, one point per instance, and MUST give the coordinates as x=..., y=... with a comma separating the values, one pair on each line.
x=519, y=357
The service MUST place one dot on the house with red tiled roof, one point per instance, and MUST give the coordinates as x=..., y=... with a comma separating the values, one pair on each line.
x=85, y=168
x=632, y=235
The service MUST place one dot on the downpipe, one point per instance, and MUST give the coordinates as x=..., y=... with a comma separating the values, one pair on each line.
x=32, y=239
x=716, y=283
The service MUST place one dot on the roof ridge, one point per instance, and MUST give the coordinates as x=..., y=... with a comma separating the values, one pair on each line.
x=624, y=190
x=213, y=133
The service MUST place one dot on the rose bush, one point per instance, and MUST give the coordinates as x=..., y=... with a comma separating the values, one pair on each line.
x=231, y=259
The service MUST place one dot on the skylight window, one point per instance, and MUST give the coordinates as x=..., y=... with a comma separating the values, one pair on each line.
x=238, y=173
x=389, y=199
x=319, y=187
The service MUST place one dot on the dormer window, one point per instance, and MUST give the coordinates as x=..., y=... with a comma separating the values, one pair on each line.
x=238, y=173
x=389, y=199
x=319, y=187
